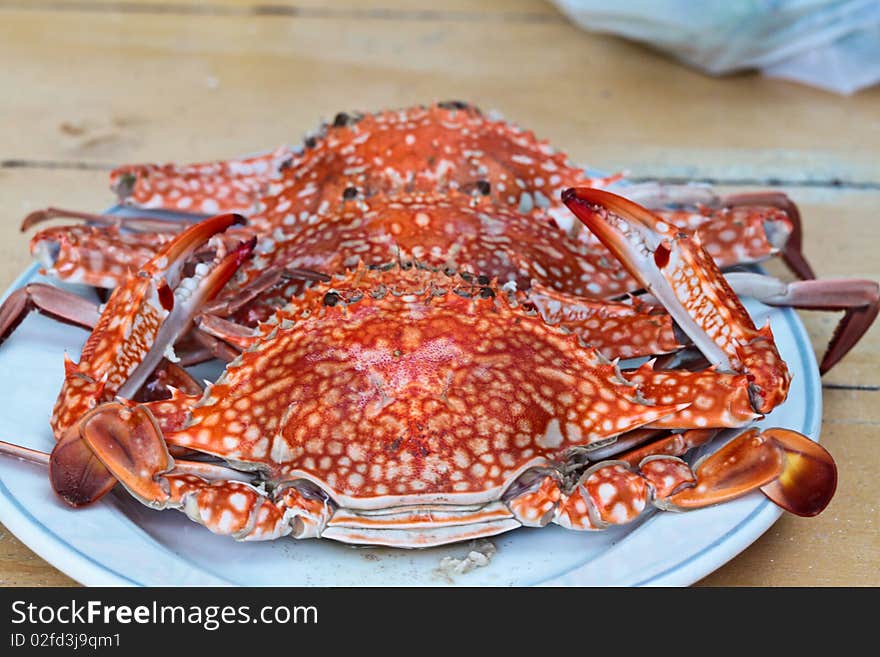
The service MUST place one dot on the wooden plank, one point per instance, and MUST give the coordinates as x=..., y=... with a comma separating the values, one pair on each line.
x=113, y=87
x=21, y=567
x=420, y=9
x=838, y=547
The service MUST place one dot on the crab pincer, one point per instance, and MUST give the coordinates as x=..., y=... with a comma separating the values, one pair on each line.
x=137, y=328
x=672, y=265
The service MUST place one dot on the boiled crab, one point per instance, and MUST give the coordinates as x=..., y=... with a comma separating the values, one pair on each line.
x=410, y=407
x=442, y=185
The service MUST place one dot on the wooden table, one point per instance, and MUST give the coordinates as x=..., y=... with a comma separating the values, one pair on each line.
x=89, y=84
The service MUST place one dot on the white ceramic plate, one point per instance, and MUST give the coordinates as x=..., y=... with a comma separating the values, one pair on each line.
x=120, y=542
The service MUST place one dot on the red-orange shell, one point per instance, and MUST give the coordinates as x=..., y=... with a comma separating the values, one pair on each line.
x=390, y=387
x=450, y=230
x=442, y=147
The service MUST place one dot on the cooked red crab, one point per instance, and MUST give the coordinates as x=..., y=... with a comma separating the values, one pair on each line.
x=438, y=153
x=442, y=185
x=562, y=275
x=415, y=408
x=441, y=147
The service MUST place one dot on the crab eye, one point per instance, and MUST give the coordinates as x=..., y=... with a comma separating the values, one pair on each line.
x=331, y=299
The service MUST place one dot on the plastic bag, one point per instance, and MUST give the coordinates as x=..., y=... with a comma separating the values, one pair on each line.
x=831, y=44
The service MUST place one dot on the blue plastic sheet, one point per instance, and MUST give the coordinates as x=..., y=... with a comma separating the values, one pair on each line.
x=834, y=45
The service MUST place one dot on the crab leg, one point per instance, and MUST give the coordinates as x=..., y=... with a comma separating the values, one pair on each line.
x=739, y=228
x=617, y=329
x=48, y=300
x=736, y=235
x=24, y=453
x=215, y=348
x=718, y=399
x=792, y=252
x=72, y=309
x=228, y=304
x=789, y=468
x=208, y=188
x=859, y=299
x=227, y=331
x=139, y=224
x=673, y=444
x=100, y=256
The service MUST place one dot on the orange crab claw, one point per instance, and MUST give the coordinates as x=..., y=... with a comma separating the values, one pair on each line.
x=129, y=442
x=141, y=320
x=809, y=477
x=77, y=475
x=688, y=286
x=673, y=266
x=792, y=470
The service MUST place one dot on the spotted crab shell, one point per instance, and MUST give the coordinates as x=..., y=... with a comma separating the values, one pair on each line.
x=450, y=230
x=441, y=147
x=204, y=188
x=396, y=387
